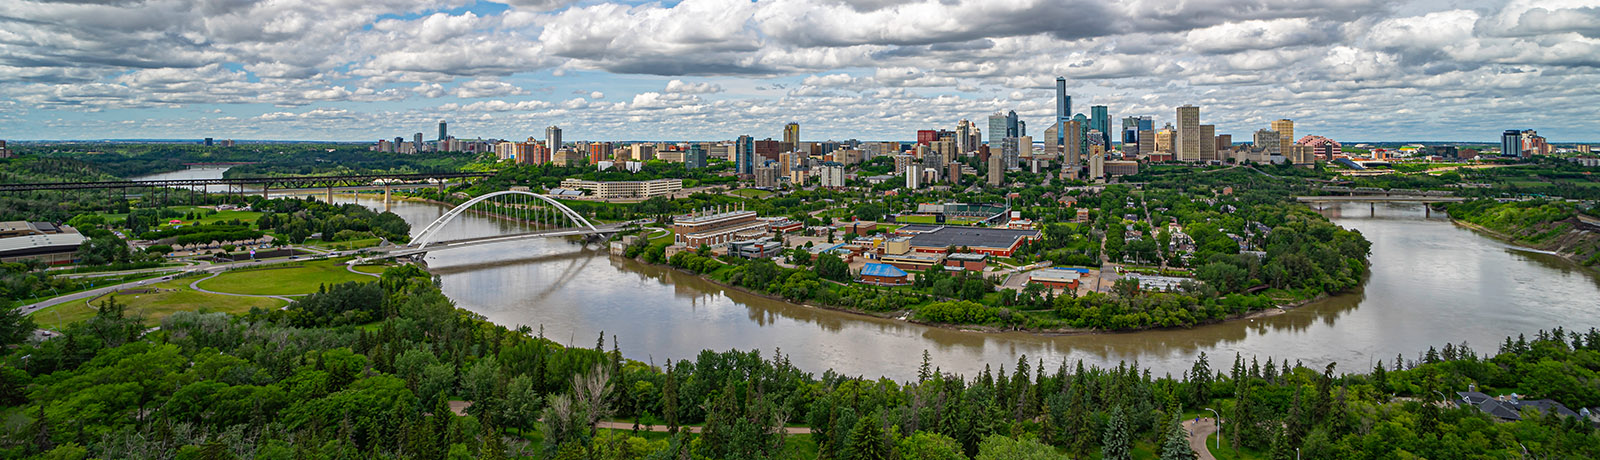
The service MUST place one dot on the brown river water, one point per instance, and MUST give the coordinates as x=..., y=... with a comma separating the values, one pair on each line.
x=1431, y=283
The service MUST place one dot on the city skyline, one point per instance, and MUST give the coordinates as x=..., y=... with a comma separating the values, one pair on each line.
x=1361, y=71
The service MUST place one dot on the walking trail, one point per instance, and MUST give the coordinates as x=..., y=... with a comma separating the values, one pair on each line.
x=1198, y=430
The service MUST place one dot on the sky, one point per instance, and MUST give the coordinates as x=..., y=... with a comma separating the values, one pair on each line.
x=361, y=70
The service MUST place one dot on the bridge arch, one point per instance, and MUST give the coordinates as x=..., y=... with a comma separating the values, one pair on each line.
x=428, y=233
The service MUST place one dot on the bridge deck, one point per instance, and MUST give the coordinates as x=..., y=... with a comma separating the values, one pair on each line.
x=1380, y=199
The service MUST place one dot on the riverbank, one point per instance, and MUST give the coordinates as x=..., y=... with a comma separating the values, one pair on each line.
x=1581, y=231
x=906, y=316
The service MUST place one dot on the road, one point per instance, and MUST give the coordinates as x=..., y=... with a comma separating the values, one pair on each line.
x=1199, y=429
x=92, y=293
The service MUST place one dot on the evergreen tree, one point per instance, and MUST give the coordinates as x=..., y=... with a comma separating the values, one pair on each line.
x=1176, y=444
x=868, y=441
x=1115, y=445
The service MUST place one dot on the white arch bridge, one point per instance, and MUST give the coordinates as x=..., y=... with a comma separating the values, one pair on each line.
x=530, y=215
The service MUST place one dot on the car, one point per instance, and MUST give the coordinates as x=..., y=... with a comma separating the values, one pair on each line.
x=293, y=257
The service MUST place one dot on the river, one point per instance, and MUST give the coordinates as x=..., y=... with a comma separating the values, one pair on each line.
x=1431, y=283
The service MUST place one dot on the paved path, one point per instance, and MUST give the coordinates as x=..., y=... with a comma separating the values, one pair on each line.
x=196, y=286
x=1198, y=431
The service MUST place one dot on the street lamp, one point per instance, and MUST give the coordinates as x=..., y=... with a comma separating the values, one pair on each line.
x=1218, y=423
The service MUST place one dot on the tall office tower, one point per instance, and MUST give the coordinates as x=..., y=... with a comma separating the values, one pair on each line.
x=552, y=138
x=398, y=141
x=1100, y=119
x=1063, y=110
x=1009, y=152
x=1188, y=140
x=1285, y=129
x=1266, y=140
x=975, y=140
x=1224, y=143
x=964, y=136
x=997, y=171
x=1025, y=146
x=744, y=155
x=1130, y=135
x=1511, y=143
x=791, y=134
x=1012, y=128
x=208, y=142
x=442, y=130
x=416, y=146
x=1147, y=141
x=997, y=130
x=1208, y=142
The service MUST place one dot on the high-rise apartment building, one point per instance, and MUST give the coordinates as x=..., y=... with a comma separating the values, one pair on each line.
x=997, y=171
x=552, y=138
x=1187, y=146
x=744, y=155
x=964, y=137
x=1224, y=144
x=1075, y=144
x=913, y=174
x=442, y=132
x=1208, y=143
x=1511, y=143
x=791, y=134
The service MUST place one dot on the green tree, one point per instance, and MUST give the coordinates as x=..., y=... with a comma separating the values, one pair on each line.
x=929, y=446
x=1175, y=445
x=868, y=441
x=997, y=447
x=1115, y=444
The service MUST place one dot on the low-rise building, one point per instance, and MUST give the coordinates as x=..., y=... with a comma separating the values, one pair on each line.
x=41, y=241
x=967, y=261
x=695, y=230
x=625, y=189
x=884, y=275
x=998, y=242
x=1058, y=278
x=760, y=248
x=913, y=261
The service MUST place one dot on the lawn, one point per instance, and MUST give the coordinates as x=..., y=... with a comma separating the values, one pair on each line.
x=914, y=219
x=373, y=269
x=168, y=297
x=751, y=193
x=303, y=278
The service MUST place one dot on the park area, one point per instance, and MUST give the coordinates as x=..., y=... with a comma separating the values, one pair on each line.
x=234, y=291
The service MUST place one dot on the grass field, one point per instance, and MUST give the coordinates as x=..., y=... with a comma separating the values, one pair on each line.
x=300, y=279
x=914, y=219
x=168, y=297
x=751, y=193
x=373, y=269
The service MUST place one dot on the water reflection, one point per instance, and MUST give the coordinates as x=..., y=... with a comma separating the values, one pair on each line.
x=1431, y=282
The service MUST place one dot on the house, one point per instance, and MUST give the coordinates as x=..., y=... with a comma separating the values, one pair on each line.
x=1510, y=407
x=884, y=275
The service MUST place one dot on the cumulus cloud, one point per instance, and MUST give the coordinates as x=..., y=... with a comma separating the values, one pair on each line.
x=867, y=68
x=680, y=87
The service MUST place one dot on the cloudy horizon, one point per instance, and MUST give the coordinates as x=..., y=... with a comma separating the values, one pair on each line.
x=361, y=70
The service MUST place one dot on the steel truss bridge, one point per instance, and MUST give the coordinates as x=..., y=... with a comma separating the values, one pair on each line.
x=531, y=215
x=265, y=183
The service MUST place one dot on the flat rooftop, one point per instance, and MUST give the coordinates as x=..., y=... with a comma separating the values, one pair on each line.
x=941, y=236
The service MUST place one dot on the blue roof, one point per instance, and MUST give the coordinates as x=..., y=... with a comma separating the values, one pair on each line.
x=885, y=270
x=1081, y=271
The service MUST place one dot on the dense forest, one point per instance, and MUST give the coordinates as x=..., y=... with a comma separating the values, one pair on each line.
x=379, y=371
